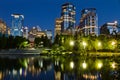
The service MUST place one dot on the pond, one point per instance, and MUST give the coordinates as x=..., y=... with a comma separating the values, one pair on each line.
x=59, y=67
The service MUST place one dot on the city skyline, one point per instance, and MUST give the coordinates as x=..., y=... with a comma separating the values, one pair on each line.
x=44, y=13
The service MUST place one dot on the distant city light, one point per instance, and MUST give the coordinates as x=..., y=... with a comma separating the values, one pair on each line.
x=115, y=22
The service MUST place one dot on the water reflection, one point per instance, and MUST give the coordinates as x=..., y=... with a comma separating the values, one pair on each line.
x=60, y=68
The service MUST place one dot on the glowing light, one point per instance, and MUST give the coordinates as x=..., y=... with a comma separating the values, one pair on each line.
x=100, y=65
x=113, y=65
x=84, y=44
x=113, y=43
x=71, y=64
x=20, y=71
x=84, y=65
x=115, y=22
x=72, y=43
x=99, y=43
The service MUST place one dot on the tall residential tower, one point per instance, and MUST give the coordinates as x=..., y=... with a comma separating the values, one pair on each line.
x=88, y=22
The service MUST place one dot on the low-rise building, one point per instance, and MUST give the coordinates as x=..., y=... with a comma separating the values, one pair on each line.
x=109, y=28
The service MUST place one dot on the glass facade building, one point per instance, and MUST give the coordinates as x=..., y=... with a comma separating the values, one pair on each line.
x=68, y=17
x=89, y=21
x=17, y=24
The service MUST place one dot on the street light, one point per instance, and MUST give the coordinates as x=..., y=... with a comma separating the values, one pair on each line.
x=99, y=65
x=72, y=43
x=113, y=43
x=99, y=44
x=84, y=44
x=113, y=65
x=71, y=64
x=84, y=65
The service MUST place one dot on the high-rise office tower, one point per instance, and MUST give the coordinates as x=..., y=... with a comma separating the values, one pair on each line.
x=88, y=22
x=68, y=17
x=17, y=24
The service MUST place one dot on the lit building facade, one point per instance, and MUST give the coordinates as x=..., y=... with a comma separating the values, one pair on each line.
x=25, y=32
x=68, y=17
x=109, y=28
x=3, y=28
x=89, y=22
x=57, y=26
x=17, y=24
x=34, y=32
x=49, y=34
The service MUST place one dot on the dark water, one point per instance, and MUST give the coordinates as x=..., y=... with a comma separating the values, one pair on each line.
x=60, y=67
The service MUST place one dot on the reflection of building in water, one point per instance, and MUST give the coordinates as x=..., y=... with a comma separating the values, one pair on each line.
x=46, y=68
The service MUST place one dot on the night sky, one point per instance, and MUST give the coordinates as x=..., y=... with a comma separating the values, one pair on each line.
x=44, y=12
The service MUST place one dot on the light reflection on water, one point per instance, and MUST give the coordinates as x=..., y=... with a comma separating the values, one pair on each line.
x=59, y=68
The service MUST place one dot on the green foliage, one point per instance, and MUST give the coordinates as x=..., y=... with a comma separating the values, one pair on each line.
x=42, y=42
x=11, y=42
x=94, y=43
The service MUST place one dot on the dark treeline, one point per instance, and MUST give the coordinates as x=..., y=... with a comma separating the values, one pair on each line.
x=42, y=41
x=11, y=42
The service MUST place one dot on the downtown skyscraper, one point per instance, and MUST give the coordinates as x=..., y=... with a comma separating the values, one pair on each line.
x=17, y=25
x=89, y=22
x=68, y=17
x=66, y=23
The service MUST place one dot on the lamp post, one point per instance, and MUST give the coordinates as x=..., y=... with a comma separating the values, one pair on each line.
x=71, y=43
x=113, y=43
x=99, y=44
x=71, y=64
x=84, y=65
x=84, y=44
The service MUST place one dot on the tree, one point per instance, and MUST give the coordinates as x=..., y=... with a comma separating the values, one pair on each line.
x=57, y=39
x=10, y=42
x=3, y=42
